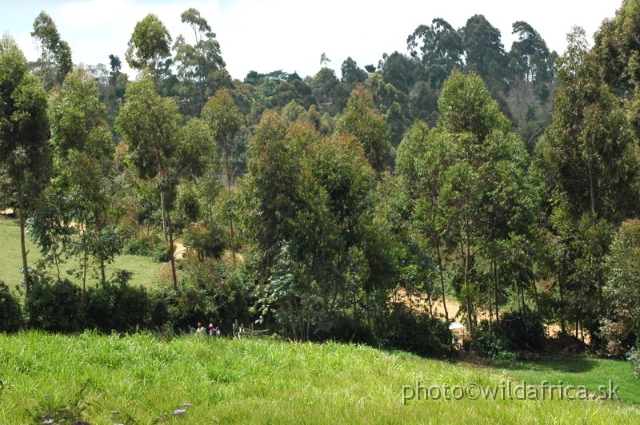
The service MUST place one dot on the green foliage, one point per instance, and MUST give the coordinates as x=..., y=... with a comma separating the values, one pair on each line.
x=117, y=306
x=621, y=290
x=149, y=47
x=368, y=128
x=149, y=125
x=416, y=333
x=55, y=57
x=198, y=64
x=10, y=310
x=54, y=306
x=522, y=331
x=24, y=152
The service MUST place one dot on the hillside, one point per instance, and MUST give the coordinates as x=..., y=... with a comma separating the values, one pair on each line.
x=144, y=379
x=143, y=268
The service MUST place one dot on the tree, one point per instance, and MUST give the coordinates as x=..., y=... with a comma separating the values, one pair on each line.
x=587, y=162
x=149, y=125
x=622, y=323
x=83, y=153
x=24, y=133
x=484, y=52
x=535, y=62
x=351, y=74
x=149, y=48
x=469, y=192
x=198, y=63
x=367, y=126
x=440, y=49
x=320, y=246
x=55, y=58
x=224, y=119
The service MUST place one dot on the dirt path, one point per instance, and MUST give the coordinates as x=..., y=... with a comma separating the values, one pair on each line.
x=179, y=251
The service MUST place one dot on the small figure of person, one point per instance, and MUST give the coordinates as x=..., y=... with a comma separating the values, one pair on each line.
x=201, y=331
x=213, y=331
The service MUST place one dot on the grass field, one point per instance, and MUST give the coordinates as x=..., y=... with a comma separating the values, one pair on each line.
x=143, y=268
x=590, y=372
x=142, y=379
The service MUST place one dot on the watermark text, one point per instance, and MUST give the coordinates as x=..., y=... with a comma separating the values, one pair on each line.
x=508, y=390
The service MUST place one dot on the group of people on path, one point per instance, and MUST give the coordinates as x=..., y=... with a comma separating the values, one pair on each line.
x=212, y=331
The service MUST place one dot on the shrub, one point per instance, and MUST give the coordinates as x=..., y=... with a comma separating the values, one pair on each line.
x=522, y=331
x=487, y=343
x=417, y=333
x=10, y=310
x=117, y=306
x=53, y=306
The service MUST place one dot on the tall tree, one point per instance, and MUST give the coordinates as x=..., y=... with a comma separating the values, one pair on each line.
x=24, y=133
x=440, y=49
x=55, y=57
x=367, y=126
x=149, y=124
x=484, y=52
x=224, y=119
x=467, y=183
x=150, y=48
x=198, y=64
x=83, y=152
x=587, y=160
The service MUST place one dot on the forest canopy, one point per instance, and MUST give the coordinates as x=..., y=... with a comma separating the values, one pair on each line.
x=505, y=180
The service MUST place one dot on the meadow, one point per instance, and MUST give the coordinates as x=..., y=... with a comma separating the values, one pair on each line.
x=143, y=268
x=145, y=379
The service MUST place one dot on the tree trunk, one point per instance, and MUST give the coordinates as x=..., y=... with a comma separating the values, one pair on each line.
x=172, y=260
x=164, y=216
x=444, y=300
x=23, y=245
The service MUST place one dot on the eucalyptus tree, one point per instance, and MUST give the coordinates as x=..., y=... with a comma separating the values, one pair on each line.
x=223, y=117
x=25, y=158
x=150, y=124
x=83, y=151
x=484, y=52
x=368, y=127
x=199, y=64
x=588, y=162
x=468, y=189
x=311, y=211
x=55, y=54
x=439, y=48
x=150, y=48
x=617, y=50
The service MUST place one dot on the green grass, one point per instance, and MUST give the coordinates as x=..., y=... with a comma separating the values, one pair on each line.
x=144, y=269
x=10, y=259
x=145, y=379
x=590, y=372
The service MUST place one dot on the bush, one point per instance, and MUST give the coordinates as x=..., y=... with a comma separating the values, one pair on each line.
x=10, y=311
x=345, y=329
x=417, y=333
x=53, y=306
x=117, y=306
x=488, y=344
x=522, y=331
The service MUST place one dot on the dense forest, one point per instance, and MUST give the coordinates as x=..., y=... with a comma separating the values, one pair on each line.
x=506, y=180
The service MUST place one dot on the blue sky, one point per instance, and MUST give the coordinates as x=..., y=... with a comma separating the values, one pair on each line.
x=267, y=35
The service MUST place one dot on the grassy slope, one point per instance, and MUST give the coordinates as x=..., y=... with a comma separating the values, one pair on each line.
x=590, y=372
x=143, y=268
x=242, y=381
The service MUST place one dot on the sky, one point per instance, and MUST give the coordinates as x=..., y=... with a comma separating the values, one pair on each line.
x=291, y=35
